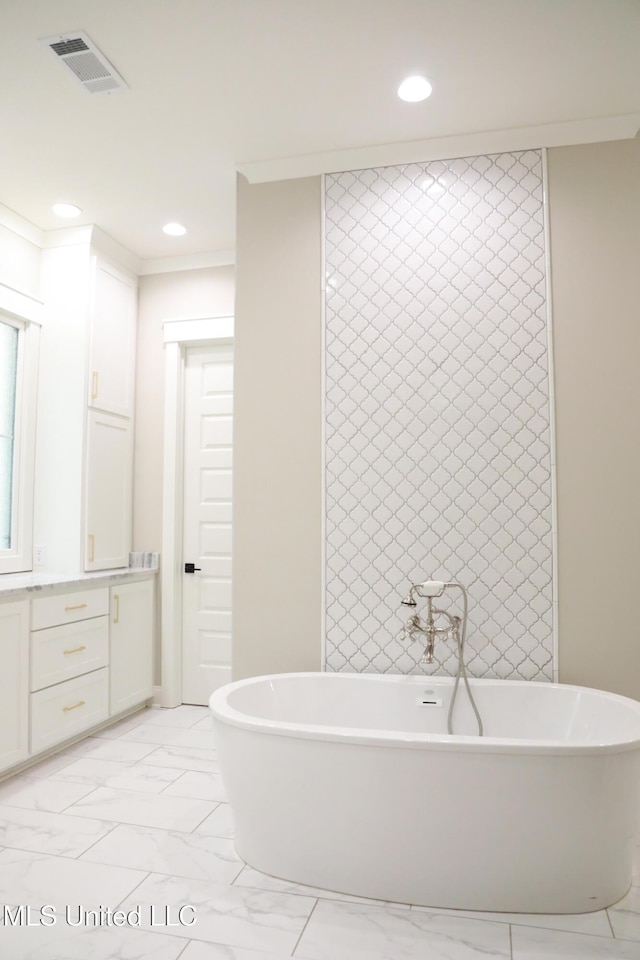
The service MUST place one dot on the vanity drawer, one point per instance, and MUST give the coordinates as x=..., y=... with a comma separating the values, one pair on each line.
x=69, y=708
x=69, y=607
x=61, y=653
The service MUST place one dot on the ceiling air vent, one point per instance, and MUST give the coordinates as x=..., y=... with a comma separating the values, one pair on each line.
x=86, y=63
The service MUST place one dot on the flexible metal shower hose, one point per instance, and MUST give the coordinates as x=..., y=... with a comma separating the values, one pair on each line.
x=460, y=638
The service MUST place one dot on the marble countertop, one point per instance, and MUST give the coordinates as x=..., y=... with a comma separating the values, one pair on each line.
x=19, y=583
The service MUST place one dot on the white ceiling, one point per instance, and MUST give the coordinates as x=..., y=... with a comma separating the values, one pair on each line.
x=221, y=84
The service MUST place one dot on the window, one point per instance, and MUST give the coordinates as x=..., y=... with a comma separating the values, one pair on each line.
x=17, y=429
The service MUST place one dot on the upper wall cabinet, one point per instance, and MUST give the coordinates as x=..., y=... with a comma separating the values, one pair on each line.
x=112, y=339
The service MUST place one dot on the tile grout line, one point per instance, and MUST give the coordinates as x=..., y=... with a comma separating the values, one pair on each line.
x=186, y=946
x=141, y=795
x=240, y=871
x=490, y=918
x=145, y=758
x=63, y=856
x=177, y=780
x=147, y=874
x=239, y=874
x=199, y=824
x=41, y=780
x=306, y=924
x=92, y=845
x=109, y=786
x=28, y=770
x=83, y=797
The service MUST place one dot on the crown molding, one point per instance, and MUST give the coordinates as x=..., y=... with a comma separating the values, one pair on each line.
x=194, y=261
x=18, y=225
x=115, y=251
x=570, y=133
x=97, y=238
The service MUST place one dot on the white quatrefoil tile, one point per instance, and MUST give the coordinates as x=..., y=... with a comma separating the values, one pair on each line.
x=438, y=447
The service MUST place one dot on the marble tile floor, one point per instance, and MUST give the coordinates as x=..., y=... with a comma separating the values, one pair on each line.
x=137, y=818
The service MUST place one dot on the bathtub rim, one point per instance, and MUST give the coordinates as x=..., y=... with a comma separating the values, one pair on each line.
x=223, y=712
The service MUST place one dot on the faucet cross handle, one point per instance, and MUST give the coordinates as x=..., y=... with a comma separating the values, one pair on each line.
x=411, y=628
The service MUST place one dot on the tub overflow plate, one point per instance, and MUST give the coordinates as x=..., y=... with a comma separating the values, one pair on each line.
x=429, y=698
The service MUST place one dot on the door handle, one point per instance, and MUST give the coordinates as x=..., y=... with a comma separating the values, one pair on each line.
x=191, y=568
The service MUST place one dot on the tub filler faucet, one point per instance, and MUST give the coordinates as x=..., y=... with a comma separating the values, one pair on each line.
x=456, y=630
x=417, y=627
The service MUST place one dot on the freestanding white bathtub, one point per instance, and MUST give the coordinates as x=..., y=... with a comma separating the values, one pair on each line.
x=350, y=782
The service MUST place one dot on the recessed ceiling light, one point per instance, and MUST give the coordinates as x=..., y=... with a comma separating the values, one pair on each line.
x=414, y=89
x=68, y=210
x=174, y=229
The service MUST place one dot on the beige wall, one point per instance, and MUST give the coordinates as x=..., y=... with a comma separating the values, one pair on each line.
x=186, y=295
x=594, y=195
x=277, y=506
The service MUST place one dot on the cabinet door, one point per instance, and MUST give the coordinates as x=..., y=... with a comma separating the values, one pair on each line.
x=130, y=645
x=112, y=340
x=14, y=682
x=108, y=492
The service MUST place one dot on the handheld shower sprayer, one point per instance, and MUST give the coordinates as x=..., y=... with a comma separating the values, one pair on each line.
x=427, y=589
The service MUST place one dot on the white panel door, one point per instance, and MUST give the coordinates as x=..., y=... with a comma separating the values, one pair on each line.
x=206, y=597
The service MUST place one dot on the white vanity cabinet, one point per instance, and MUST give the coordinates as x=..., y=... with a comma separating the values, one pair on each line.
x=14, y=683
x=68, y=666
x=87, y=657
x=112, y=339
x=131, y=645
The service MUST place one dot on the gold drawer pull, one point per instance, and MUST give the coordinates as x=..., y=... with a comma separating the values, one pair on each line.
x=75, y=650
x=92, y=542
x=94, y=385
x=116, y=600
x=80, y=703
x=78, y=606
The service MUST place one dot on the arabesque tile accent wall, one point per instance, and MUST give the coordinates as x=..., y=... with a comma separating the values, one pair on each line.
x=438, y=438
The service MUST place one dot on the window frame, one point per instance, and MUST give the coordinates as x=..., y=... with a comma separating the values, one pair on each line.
x=19, y=558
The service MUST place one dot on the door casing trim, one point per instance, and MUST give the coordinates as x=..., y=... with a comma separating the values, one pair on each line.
x=179, y=334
